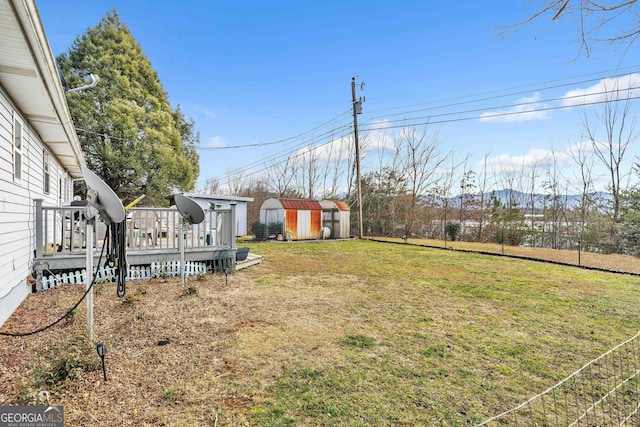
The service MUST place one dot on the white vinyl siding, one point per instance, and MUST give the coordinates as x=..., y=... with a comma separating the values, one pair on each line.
x=17, y=207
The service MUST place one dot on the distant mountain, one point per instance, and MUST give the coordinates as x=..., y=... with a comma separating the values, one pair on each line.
x=523, y=200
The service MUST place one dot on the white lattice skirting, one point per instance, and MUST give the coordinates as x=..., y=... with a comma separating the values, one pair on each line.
x=106, y=274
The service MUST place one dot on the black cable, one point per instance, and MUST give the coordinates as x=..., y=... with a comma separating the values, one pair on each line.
x=65, y=315
x=119, y=242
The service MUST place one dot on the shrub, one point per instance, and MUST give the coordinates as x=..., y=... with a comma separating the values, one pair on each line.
x=260, y=231
x=453, y=230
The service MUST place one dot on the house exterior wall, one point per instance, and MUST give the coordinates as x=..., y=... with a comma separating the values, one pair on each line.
x=17, y=208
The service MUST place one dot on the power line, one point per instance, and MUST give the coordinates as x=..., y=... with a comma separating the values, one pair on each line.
x=533, y=85
x=509, y=113
x=521, y=104
x=288, y=153
x=262, y=144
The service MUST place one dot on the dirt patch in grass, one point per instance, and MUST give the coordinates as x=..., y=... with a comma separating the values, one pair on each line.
x=332, y=333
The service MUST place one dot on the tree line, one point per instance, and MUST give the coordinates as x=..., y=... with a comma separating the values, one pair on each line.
x=414, y=187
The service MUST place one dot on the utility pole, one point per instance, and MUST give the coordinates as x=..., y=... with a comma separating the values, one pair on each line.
x=357, y=109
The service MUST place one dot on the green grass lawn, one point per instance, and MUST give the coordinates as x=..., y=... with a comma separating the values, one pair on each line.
x=428, y=337
x=352, y=333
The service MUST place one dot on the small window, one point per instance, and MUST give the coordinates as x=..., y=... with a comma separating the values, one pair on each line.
x=46, y=178
x=17, y=149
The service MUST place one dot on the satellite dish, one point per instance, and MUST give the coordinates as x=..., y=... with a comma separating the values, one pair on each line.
x=191, y=213
x=189, y=209
x=105, y=200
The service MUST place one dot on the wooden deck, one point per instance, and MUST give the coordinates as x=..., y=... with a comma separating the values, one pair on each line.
x=252, y=259
x=152, y=237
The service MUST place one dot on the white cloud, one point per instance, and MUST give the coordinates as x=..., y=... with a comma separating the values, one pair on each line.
x=371, y=141
x=379, y=139
x=538, y=157
x=524, y=109
x=611, y=89
x=216, y=142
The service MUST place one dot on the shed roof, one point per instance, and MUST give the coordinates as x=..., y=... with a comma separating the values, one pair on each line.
x=334, y=204
x=301, y=204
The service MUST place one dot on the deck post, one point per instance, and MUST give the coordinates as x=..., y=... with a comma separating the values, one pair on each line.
x=39, y=239
x=232, y=224
x=39, y=222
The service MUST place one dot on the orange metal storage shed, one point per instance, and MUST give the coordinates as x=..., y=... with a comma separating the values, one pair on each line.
x=301, y=217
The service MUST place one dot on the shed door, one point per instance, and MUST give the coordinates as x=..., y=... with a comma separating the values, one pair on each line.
x=304, y=225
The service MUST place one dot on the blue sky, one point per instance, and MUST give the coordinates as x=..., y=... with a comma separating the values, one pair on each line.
x=251, y=72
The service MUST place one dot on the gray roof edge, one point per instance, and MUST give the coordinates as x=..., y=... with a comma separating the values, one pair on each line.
x=214, y=197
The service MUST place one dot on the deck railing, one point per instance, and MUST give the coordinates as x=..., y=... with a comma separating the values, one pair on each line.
x=61, y=229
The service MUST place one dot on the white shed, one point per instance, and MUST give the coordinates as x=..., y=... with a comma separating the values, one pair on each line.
x=39, y=150
x=336, y=216
x=208, y=201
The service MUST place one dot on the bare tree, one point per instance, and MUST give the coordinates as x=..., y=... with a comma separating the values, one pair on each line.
x=597, y=21
x=258, y=189
x=467, y=193
x=508, y=207
x=421, y=162
x=333, y=170
x=619, y=133
x=308, y=172
x=390, y=188
x=442, y=190
x=531, y=191
x=555, y=209
x=583, y=183
x=236, y=183
x=280, y=176
x=212, y=186
x=482, y=203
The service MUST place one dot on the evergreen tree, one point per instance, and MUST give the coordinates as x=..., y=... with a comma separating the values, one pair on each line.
x=129, y=134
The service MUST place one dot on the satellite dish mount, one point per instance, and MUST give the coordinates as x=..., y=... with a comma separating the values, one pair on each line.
x=191, y=213
x=104, y=202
